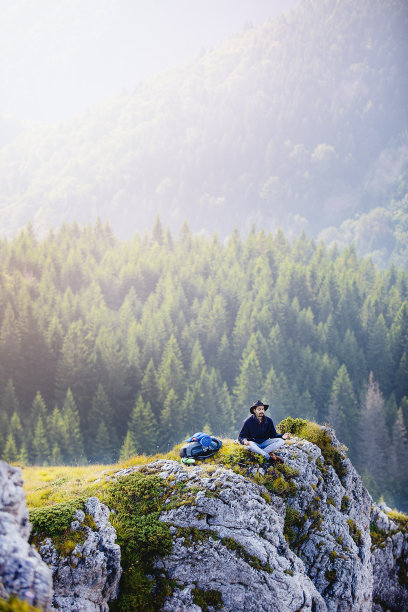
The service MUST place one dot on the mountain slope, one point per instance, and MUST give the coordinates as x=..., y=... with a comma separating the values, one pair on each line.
x=301, y=122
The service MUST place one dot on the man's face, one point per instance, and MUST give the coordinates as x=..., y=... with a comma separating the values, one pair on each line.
x=259, y=411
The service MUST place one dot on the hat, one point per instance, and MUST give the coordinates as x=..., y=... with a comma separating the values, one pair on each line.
x=256, y=404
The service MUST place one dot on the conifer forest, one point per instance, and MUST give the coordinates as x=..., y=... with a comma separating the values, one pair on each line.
x=109, y=347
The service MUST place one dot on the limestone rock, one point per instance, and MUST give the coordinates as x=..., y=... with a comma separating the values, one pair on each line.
x=22, y=571
x=236, y=546
x=390, y=562
x=332, y=537
x=88, y=578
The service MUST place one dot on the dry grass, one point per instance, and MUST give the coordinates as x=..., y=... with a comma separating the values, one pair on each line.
x=45, y=486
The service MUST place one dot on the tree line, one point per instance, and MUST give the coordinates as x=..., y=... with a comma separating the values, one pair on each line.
x=112, y=347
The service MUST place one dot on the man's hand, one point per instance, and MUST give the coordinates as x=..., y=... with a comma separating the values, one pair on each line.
x=245, y=441
x=286, y=436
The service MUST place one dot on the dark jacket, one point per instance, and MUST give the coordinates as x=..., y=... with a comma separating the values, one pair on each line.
x=258, y=432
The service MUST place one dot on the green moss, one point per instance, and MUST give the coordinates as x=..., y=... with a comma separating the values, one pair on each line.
x=332, y=555
x=289, y=572
x=207, y=599
x=294, y=522
x=355, y=532
x=192, y=535
x=138, y=500
x=331, y=501
x=53, y=521
x=400, y=518
x=90, y=522
x=330, y=575
x=254, y=562
x=344, y=503
x=319, y=436
x=15, y=605
x=378, y=536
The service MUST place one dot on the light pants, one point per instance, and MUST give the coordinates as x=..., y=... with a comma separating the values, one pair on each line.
x=264, y=448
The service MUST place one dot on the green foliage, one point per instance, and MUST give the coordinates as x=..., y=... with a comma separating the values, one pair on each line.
x=355, y=532
x=207, y=600
x=16, y=605
x=138, y=500
x=53, y=521
x=319, y=436
x=175, y=339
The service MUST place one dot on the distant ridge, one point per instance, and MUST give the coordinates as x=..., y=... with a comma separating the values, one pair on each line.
x=300, y=123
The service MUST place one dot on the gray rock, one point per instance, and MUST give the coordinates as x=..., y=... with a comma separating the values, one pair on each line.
x=334, y=540
x=243, y=553
x=22, y=571
x=390, y=563
x=88, y=578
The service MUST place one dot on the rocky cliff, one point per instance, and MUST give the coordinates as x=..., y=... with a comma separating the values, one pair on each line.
x=22, y=572
x=229, y=535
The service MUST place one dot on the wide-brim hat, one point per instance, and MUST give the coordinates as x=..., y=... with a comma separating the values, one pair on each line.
x=256, y=404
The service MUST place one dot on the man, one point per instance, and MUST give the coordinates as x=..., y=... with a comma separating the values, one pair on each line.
x=259, y=435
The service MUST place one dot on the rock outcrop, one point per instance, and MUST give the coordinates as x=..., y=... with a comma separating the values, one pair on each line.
x=86, y=579
x=390, y=562
x=302, y=536
x=231, y=541
x=22, y=571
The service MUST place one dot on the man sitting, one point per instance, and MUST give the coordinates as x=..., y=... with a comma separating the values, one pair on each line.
x=259, y=435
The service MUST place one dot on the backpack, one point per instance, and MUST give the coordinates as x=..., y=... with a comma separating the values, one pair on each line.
x=194, y=450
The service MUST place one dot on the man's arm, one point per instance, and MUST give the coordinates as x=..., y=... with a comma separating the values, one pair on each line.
x=272, y=430
x=244, y=433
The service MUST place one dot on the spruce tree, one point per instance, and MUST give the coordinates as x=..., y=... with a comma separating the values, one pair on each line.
x=9, y=402
x=75, y=449
x=344, y=411
x=128, y=448
x=10, y=453
x=40, y=444
x=374, y=441
x=16, y=430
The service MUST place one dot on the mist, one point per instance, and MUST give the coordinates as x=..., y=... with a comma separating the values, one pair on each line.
x=58, y=58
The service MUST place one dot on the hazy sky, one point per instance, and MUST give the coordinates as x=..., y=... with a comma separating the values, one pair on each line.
x=58, y=57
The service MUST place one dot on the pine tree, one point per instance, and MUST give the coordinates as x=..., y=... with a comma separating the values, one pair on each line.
x=343, y=410
x=75, y=448
x=149, y=388
x=16, y=430
x=170, y=427
x=400, y=459
x=143, y=427
x=23, y=457
x=248, y=386
x=9, y=402
x=10, y=453
x=105, y=451
x=101, y=412
x=41, y=448
x=171, y=373
x=128, y=448
x=401, y=378
x=374, y=444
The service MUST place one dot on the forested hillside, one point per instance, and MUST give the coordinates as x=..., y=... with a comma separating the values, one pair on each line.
x=109, y=347
x=300, y=123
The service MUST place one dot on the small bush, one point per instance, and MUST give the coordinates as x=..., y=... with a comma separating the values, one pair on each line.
x=321, y=437
x=207, y=599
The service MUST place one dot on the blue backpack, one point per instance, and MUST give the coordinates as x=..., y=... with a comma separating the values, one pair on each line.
x=200, y=446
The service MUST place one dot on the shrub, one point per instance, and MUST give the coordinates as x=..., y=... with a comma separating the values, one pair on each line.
x=138, y=500
x=321, y=437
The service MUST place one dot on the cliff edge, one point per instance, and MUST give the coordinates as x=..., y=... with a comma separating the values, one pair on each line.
x=229, y=535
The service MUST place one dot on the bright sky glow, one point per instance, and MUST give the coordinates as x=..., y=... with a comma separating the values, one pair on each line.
x=58, y=57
